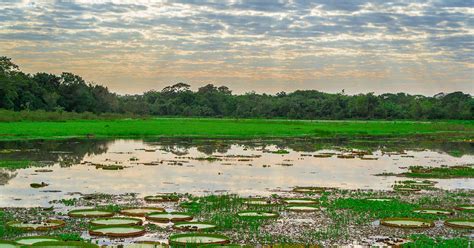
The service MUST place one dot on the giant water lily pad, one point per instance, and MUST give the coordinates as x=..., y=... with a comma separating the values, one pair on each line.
x=116, y=222
x=8, y=244
x=90, y=213
x=407, y=222
x=194, y=226
x=118, y=231
x=169, y=217
x=64, y=244
x=195, y=239
x=162, y=198
x=35, y=239
x=380, y=199
x=259, y=202
x=36, y=226
x=460, y=223
x=466, y=208
x=300, y=201
x=433, y=211
x=257, y=215
x=309, y=189
x=302, y=208
x=141, y=212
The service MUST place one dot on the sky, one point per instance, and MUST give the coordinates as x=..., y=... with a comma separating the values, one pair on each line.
x=266, y=46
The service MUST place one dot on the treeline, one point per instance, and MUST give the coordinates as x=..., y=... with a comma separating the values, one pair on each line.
x=71, y=93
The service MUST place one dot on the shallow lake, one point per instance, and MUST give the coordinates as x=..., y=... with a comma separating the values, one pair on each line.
x=248, y=168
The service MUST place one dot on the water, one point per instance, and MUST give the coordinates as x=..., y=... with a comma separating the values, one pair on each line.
x=248, y=168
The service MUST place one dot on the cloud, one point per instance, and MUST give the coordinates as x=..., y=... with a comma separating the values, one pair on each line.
x=294, y=43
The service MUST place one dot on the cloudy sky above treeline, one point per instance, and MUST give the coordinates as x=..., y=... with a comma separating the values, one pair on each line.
x=420, y=47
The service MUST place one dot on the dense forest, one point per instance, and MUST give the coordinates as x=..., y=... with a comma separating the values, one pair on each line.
x=71, y=93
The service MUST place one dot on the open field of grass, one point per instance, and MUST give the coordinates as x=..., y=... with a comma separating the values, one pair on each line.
x=229, y=128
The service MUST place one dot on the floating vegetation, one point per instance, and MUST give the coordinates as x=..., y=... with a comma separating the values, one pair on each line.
x=35, y=239
x=169, y=217
x=302, y=208
x=246, y=215
x=309, y=189
x=403, y=188
x=118, y=231
x=281, y=152
x=300, y=201
x=195, y=239
x=36, y=226
x=259, y=202
x=39, y=185
x=465, y=171
x=194, y=226
x=466, y=208
x=407, y=222
x=90, y=213
x=8, y=244
x=323, y=155
x=43, y=170
x=64, y=244
x=433, y=211
x=162, y=198
x=116, y=222
x=147, y=244
x=380, y=199
x=346, y=156
x=460, y=223
x=141, y=212
x=110, y=167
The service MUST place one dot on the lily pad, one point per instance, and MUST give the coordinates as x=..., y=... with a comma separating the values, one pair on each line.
x=162, y=198
x=117, y=231
x=380, y=199
x=195, y=239
x=169, y=217
x=8, y=244
x=116, y=222
x=194, y=226
x=407, y=222
x=36, y=226
x=460, y=223
x=257, y=215
x=259, y=202
x=309, y=190
x=35, y=239
x=300, y=201
x=141, y=212
x=467, y=208
x=90, y=213
x=303, y=208
x=64, y=244
x=433, y=211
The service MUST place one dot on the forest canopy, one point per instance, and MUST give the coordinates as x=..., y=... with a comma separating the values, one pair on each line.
x=69, y=92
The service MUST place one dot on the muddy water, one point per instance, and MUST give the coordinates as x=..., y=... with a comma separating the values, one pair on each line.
x=247, y=168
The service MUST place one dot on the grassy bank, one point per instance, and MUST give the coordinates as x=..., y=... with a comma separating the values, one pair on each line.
x=228, y=128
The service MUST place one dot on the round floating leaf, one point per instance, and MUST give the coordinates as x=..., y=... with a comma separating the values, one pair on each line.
x=162, y=198
x=117, y=231
x=169, y=217
x=433, y=211
x=8, y=244
x=141, y=212
x=35, y=239
x=195, y=239
x=259, y=202
x=90, y=213
x=302, y=208
x=407, y=222
x=64, y=244
x=300, y=201
x=460, y=223
x=248, y=215
x=466, y=208
x=39, y=226
x=194, y=226
x=309, y=190
x=117, y=221
x=380, y=199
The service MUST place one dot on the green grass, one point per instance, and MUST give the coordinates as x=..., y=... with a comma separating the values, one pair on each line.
x=423, y=241
x=230, y=128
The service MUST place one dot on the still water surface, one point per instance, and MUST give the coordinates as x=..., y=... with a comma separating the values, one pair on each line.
x=246, y=168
